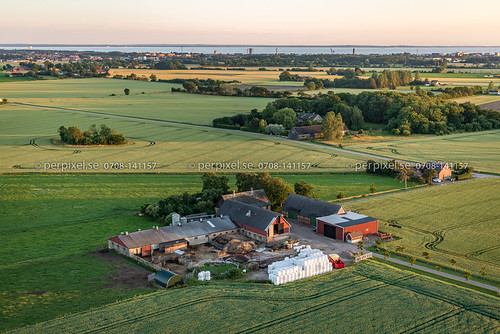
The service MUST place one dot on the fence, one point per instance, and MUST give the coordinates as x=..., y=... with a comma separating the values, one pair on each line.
x=216, y=244
x=146, y=263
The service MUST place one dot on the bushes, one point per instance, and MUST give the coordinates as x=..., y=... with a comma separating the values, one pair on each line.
x=104, y=136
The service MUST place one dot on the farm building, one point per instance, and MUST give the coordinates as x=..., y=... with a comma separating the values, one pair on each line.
x=339, y=226
x=256, y=198
x=256, y=223
x=167, y=279
x=304, y=117
x=170, y=238
x=306, y=209
x=305, y=132
x=354, y=237
x=442, y=169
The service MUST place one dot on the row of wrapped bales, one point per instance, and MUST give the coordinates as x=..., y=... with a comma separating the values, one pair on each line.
x=204, y=276
x=309, y=262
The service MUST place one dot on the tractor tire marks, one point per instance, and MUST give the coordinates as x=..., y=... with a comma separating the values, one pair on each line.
x=154, y=314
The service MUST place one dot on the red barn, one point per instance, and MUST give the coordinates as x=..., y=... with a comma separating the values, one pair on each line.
x=338, y=226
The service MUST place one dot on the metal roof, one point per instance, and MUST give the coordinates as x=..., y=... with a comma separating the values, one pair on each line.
x=174, y=233
x=348, y=219
x=247, y=214
x=310, y=207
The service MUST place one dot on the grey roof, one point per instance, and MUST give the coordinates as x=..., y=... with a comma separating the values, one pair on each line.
x=168, y=234
x=198, y=228
x=310, y=207
x=247, y=214
x=348, y=219
x=304, y=116
x=303, y=130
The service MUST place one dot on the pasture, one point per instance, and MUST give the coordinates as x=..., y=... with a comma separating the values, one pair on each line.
x=479, y=99
x=157, y=102
x=27, y=137
x=381, y=298
x=458, y=221
x=479, y=149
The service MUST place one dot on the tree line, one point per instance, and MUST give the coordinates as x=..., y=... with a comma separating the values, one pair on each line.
x=225, y=88
x=214, y=186
x=93, y=136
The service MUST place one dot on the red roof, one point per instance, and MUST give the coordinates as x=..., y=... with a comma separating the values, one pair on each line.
x=116, y=239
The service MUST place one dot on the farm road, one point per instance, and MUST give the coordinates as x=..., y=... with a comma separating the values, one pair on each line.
x=225, y=130
x=439, y=273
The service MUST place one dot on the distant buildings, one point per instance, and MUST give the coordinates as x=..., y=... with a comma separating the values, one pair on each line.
x=305, y=132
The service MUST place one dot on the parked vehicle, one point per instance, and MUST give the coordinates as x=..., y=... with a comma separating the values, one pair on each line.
x=436, y=180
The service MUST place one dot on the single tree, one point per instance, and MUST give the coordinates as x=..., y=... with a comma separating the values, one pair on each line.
x=126, y=91
x=453, y=263
x=373, y=189
x=483, y=272
x=491, y=86
x=340, y=195
x=378, y=244
x=412, y=261
x=153, y=77
x=386, y=255
x=426, y=255
x=286, y=117
x=467, y=275
x=400, y=249
x=304, y=189
x=404, y=173
x=332, y=126
x=438, y=268
x=361, y=246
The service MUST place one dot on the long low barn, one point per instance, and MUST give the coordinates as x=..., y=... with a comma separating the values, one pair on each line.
x=169, y=238
x=339, y=226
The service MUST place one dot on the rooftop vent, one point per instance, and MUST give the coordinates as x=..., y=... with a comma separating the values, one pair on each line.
x=249, y=213
x=122, y=233
x=126, y=233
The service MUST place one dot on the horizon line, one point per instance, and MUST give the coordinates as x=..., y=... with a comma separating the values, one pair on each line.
x=248, y=45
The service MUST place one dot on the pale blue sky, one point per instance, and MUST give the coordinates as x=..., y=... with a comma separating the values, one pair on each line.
x=322, y=22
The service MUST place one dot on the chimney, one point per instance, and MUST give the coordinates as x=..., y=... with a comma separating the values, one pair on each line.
x=234, y=193
x=138, y=229
x=126, y=233
x=251, y=190
x=157, y=227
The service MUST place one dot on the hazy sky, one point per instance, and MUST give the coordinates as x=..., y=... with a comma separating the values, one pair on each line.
x=322, y=22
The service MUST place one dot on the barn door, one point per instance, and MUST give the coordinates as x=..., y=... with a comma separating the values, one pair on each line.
x=329, y=231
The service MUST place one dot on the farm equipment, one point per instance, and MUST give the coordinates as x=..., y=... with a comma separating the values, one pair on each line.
x=385, y=236
x=336, y=261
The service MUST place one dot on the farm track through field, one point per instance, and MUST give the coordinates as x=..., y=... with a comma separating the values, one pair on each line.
x=155, y=313
x=424, y=326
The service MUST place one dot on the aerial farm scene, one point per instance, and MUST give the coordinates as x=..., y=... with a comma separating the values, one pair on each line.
x=207, y=167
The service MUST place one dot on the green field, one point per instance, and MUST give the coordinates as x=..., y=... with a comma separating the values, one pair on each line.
x=64, y=218
x=157, y=102
x=381, y=299
x=479, y=149
x=27, y=133
x=459, y=221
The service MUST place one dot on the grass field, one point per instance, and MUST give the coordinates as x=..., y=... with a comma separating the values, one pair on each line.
x=26, y=135
x=157, y=102
x=479, y=99
x=381, y=298
x=459, y=221
x=479, y=149
x=64, y=218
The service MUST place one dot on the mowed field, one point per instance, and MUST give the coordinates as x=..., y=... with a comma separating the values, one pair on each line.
x=65, y=219
x=381, y=298
x=459, y=221
x=27, y=134
x=480, y=149
x=157, y=102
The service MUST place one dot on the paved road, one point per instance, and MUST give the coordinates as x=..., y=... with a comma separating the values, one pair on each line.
x=367, y=155
x=433, y=271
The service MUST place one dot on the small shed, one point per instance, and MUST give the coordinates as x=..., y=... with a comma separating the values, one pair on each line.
x=167, y=279
x=353, y=237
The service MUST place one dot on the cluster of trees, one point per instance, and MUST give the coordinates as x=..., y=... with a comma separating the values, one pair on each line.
x=133, y=76
x=94, y=136
x=218, y=87
x=82, y=69
x=215, y=186
x=345, y=72
x=170, y=65
x=420, y=112
x=332, y=126
x=457, y=92
x=386, y=79
x=287, y=76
